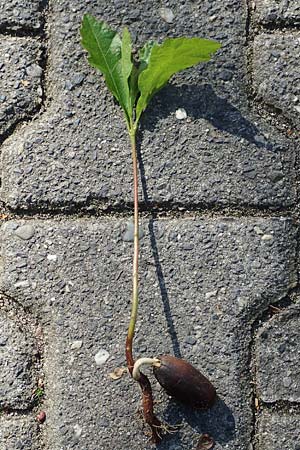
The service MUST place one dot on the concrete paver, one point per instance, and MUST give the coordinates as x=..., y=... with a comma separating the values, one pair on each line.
x=215, y=276
x=20, y=80
x=279, y=431
x=278, y=353
x=77, y=153
x=20, y=14
x=18, y=433
x=271, y=12
x=276, y=72
x=16, y=361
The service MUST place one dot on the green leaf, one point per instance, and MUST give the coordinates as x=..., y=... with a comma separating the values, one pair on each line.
x=111, y=56
x=164, y=60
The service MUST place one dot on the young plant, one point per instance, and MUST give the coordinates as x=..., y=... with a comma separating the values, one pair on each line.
x=133, y=84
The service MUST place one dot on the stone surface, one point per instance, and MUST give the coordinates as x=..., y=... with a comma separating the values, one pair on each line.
x=285, y=12
x=202, y=279
x=20, y=14
x=276, y=72
x=18, y=433
x=77, y=153
x=16, y=361
x=277, y=358
x=279, y=431
x=20, y=80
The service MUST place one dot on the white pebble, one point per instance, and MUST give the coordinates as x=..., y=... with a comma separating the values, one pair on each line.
x=101, y=357
x=181, y=114
x=267, y=237
x=76, y=345
x=166, y=14
x=52, y=257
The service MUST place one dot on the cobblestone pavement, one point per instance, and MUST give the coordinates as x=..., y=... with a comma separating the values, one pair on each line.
x=219, y=245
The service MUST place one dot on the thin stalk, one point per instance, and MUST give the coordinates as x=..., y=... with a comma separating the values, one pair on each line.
x=147, y=398
x=135, y=266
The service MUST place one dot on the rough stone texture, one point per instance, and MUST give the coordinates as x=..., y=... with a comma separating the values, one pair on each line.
x=20, y=80
x=78, y=153
x=277, y=358
x=279, y=431
x=276, y=72
x=270, y=12
x=16, y=361
x=20, y=14
x=18, y=433
x=202, y=284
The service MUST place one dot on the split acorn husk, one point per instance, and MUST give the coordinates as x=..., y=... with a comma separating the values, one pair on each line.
x=184, y=382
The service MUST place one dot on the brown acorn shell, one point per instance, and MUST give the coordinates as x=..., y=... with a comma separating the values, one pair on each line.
x=184, y=382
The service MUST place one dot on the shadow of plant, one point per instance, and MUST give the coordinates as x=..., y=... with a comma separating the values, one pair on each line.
x=201, y=102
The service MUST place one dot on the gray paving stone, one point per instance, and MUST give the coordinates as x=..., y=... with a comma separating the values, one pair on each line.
x=279, y=431
x=203, y=282
x=20, y=14
x=16, y=361
x=278, y=11
x=20, y=80
x=77, y=152
x=277, y=356
x=276, y=72
x=18, y=433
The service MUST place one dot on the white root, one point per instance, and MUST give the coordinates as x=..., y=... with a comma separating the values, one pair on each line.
x=136, y=374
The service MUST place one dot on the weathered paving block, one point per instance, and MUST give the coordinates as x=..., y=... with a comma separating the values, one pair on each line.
x=20, y=14
x=17, y=355
x=279, y=431
x=20, y=80
x=77, y=152
x=202, y=284
x=18, y=433
x=276, y=72
x=277, y=358
x=278, y=11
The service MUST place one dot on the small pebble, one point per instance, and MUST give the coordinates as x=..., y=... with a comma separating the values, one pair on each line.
x=166, y=14
x=76, y=345
x=25, y=232
x=52, y=258
x=190, y=340
x=128, y=236
x=101, y=357
x=41, y=417
x=267, y=237
x=77, y=430
x=181, y=114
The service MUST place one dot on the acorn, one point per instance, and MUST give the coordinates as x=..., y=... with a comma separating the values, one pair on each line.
x=184, y=382
x=180, y=380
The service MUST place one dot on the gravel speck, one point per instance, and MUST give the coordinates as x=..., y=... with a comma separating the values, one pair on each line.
x=25, y=232
x=101, y=357
x=166, y=14
x=181, y=114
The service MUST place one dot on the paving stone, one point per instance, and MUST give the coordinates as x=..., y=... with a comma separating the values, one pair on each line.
x=279, y=431
x=277, y=357
x=20, y=80
x=16, y=361
x=276, y=72
x=18, y=433
x=20, y=14
x=77, y=152
x=206, y=279
x=278, y=12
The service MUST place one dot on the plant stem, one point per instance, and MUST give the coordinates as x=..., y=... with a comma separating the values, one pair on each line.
x=147, y=398
x=135, y=267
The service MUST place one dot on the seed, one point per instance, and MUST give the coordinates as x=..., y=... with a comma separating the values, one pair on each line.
x=184, y=382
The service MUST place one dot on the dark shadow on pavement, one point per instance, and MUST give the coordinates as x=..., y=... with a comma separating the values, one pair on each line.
x=201, y=102
x=218, y=422
x=158, y=267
